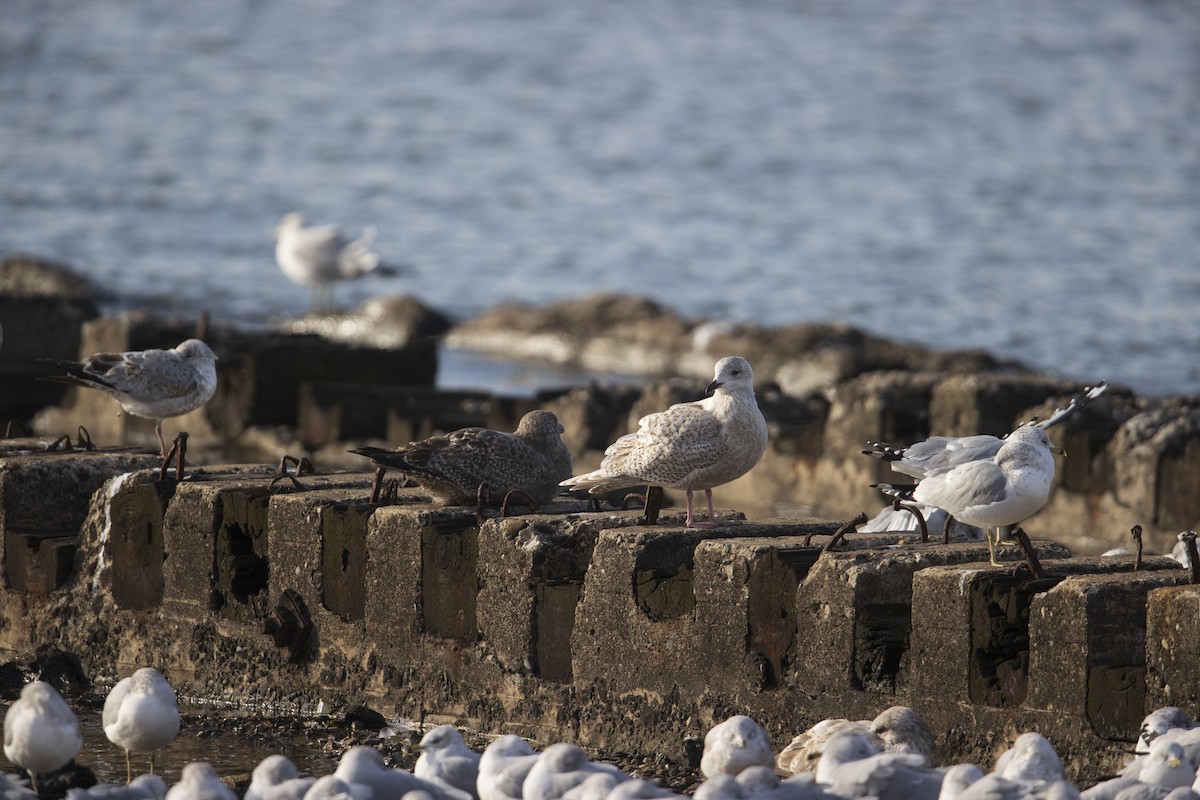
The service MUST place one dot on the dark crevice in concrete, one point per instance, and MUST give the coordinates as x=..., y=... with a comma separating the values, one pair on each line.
x=881, y=632
x=999, y=664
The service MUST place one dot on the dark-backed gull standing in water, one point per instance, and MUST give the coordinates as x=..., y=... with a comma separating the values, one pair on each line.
x=452, y=467
x=155, y=384
x=690, y=446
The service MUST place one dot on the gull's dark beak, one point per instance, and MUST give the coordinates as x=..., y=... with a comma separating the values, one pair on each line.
x=1058, y=450
x=712, y=387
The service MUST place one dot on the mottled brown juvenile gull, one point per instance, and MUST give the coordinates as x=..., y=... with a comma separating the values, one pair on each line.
x=452, y=467
x=898, y=729
x=155, y=384
x=318, y=256
x=690, y=446
x=41, y=732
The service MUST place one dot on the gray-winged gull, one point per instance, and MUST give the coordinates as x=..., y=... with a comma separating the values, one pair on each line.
x=318, y=256
x=982, y=480
x=364, y=765
x=141, y=715
x=850, y=768
x=1165, y=765
x=445, y=756
x=503, y=767
x=560, y=768
x=690, y=446
x=155, y=384
x=41, y=732
x=1031, y=758
x=735, y=744
x=452, y=467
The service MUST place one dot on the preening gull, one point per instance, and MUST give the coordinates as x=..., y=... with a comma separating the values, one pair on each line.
x=199, y=781
x=690, y=446
x=318, y=256
x=1160, y=721
x=993, y=492
x=41, y=733
x=503, y=767
x=141, y=715
x=155, y=384
x=445, y=756
x=983, y=480
x=735, y=744
x=452, y=467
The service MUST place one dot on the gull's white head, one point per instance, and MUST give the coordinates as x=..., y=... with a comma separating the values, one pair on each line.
x=196, y=349
x=290, y=222
x=732, y=373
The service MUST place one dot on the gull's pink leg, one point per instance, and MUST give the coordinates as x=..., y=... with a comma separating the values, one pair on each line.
x=712, y=520
x=689, y=522
x=161, y=442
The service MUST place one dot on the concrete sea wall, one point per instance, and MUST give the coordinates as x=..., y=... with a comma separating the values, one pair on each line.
x=585, y=625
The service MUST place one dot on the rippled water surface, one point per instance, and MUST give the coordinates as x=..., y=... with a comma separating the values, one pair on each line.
x=1020, y=176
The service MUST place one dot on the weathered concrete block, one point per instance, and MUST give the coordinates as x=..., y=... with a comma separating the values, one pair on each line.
x=856, y=613
x=213, y=537
x=880, y=406
x=1156, y=467
x=135, y=540
x=531, y=573
x=647, y=602
x=963, y=405
x=339, y=411
x=976, y=648
x=300, y=559
x=44, y=498
x=43, y=306
x=1173, y=647
x=1087, y=646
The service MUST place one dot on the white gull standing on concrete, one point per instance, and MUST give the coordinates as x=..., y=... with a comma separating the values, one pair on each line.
x=452, y=467
x=445, y=756
x=141, y=715
x=318, y=256
x=41, y=732
x=983, y=480
x=155, y=384
x=734, y=745
x=690, y=446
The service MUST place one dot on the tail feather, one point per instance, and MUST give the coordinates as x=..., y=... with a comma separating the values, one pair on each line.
x=884, y=451
x=902, y=490
x=598, y=482
x=75, y=375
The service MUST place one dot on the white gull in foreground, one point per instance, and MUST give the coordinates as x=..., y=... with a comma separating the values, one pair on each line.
x=689, y=446
x=155, y=384
x=199, y=781
x=41, y=732
x=445, y=756
x=734, y=745
x=141, y=715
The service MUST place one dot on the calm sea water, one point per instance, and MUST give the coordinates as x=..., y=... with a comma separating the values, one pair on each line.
x=1021, y=176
